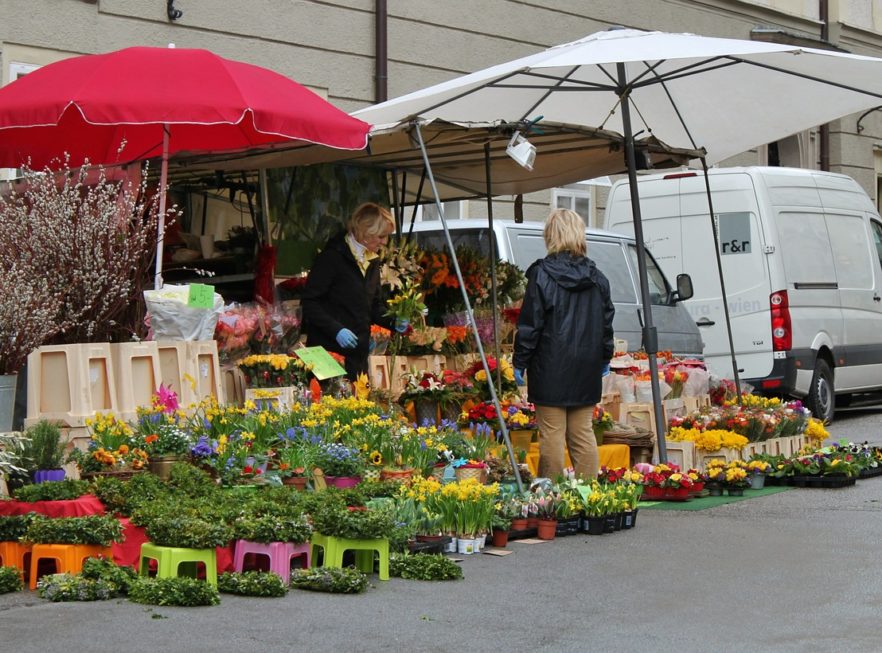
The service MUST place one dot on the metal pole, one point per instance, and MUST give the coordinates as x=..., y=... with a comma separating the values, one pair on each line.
x=493, y=285
x=468, y=306
x=160, y=225
x=650, y=335
x=725, y=300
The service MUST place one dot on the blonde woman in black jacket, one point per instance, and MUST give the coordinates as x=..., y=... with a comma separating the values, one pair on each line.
x=342, y=297
x=565, y=342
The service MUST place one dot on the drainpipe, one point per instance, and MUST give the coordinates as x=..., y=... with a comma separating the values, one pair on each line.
x=824, y=130
x=382, y=53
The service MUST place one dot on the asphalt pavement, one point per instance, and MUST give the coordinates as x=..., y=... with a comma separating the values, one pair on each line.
x=794, y=571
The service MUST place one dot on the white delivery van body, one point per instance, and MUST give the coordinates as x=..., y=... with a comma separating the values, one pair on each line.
x=801, y=261
x=615, y=256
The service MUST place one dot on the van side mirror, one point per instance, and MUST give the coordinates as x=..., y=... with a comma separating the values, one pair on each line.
x=684, y=288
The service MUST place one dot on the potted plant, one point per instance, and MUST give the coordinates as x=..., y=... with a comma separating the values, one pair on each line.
x=340, y=465
x=757, y=470
x=296, y=462
x=736, y=480
x=546, y=511
x=44, y=451
x=500, y=526
x=596, y=506
x=112, y=451
x=427, y=392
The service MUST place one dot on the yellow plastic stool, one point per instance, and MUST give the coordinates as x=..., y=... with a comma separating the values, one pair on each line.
x=169, y=559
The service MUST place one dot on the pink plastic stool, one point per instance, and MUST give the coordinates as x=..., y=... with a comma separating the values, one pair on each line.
x=279, y=554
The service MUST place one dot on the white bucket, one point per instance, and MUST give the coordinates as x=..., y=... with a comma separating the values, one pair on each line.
x=466, y=547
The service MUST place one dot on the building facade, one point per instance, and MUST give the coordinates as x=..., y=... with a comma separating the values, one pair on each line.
x=357, y=52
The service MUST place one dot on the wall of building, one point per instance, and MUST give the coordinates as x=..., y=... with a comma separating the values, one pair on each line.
x=329, y=45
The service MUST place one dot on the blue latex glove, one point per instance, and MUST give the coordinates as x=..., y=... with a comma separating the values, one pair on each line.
x=605, y=370
x=346, y=339
x=401, y=325
x=519, y=377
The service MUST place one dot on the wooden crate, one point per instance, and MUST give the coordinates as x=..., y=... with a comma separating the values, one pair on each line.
x=281, y=398
x=693, y=404
x=681, y=454
x=173, y=366
x=233, y=381
x=641, y=416
x=68, y=383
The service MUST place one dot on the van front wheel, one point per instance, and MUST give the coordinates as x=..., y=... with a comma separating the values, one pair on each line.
x=821, y=397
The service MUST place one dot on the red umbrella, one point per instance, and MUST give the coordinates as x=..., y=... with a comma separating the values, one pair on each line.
x=159, y=102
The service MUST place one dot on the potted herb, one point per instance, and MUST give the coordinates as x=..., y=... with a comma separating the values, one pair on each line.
x=97, y=530
x=185, y=532
x=500, y=526
x=44, y=451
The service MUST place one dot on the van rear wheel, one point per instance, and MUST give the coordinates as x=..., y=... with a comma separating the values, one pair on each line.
x=821, y=398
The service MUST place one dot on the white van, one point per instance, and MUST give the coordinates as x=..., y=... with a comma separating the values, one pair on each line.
x=801, y=254
x=615, y=256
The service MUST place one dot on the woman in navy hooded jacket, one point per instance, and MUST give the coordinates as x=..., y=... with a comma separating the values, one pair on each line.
x=565, y=342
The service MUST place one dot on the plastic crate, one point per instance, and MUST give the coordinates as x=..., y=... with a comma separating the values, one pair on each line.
x=681, y=454
x=137, y=373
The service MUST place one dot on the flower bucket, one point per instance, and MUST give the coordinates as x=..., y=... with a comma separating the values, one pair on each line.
x=342, y=481
x=7, y=400
x=629, y=519
x=594, y=525
x=466, y=546
x=161, y=465
x=451, y=546
x=466, y=471
x=426, y=411
x=480, y=542
x=735, y=491
x=757, y=481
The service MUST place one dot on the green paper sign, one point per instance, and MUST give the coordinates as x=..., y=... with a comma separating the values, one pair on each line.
x=323, y=364
x=201, y=296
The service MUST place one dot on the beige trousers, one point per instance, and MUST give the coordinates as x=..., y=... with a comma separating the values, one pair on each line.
x=572, y=428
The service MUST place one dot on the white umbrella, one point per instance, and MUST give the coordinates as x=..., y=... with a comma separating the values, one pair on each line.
x=687, y=91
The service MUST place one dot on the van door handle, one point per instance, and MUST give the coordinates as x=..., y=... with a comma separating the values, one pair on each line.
x=705, y=322
x=876, y=298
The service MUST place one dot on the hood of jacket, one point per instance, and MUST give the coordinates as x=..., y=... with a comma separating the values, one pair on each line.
x=569, y=271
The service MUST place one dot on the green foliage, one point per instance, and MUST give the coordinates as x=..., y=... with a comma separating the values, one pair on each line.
x=93, y=529
x=43, y=448
x=124, y=496
x=188, y=532
x=353, y=524
x=348, y=580
x=271, y=528
x=252, y=583
x=423, y=567
x=182, y=591
x=191, y=481
x=372, y=489
x=10, y=580
x=71, y=587
x=52, y=491
x=14, y=526
x=109, y=571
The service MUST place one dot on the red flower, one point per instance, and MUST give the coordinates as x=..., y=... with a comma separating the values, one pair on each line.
x=247, y=469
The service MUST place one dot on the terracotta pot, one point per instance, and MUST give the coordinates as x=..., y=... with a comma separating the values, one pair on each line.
x=546, y=529
x=519, y=524
x=297, y=482
x=532, y=522
x=500, y=538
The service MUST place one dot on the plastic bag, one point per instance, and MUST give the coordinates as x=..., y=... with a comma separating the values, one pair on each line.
x=171, y=318
x=625, y=385
x=697, y=384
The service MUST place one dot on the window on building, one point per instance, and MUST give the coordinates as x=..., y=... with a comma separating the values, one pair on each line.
x=452, y=211
x=575, y=200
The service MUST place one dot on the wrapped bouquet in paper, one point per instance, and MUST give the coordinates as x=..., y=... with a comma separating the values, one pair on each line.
x=187, y=312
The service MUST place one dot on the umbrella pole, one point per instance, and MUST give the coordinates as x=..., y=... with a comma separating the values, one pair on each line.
x=471, y=317
x=160, y=224
x=493, y=284
x=725, y=299
x=650, y=335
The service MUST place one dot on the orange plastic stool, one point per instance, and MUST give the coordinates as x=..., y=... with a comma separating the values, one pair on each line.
x=69, y=557
x=12, y=554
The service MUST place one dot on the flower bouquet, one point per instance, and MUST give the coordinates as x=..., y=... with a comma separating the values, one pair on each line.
x=676, y=378
x=113, y=448
x=274, y=370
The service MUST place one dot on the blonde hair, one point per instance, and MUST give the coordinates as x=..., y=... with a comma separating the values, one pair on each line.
x=565, y=232
x=371, y=219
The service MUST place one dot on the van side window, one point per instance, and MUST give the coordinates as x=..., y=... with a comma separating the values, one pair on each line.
x=527, y=248
x=877, y=238
x=848, y=238
x=812, y=260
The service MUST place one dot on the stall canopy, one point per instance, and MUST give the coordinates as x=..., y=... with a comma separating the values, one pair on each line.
x=140, y=103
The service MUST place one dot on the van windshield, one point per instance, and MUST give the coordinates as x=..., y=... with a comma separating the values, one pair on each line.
x=474, y=239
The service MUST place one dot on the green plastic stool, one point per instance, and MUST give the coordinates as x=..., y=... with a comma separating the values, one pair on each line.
x=326, y=543
x=335, y=547
x=169, y=559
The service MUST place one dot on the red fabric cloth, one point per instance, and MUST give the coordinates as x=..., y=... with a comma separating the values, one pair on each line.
x=128, y=552
x=88, y=504
x=264, y=287
x=88, y=105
